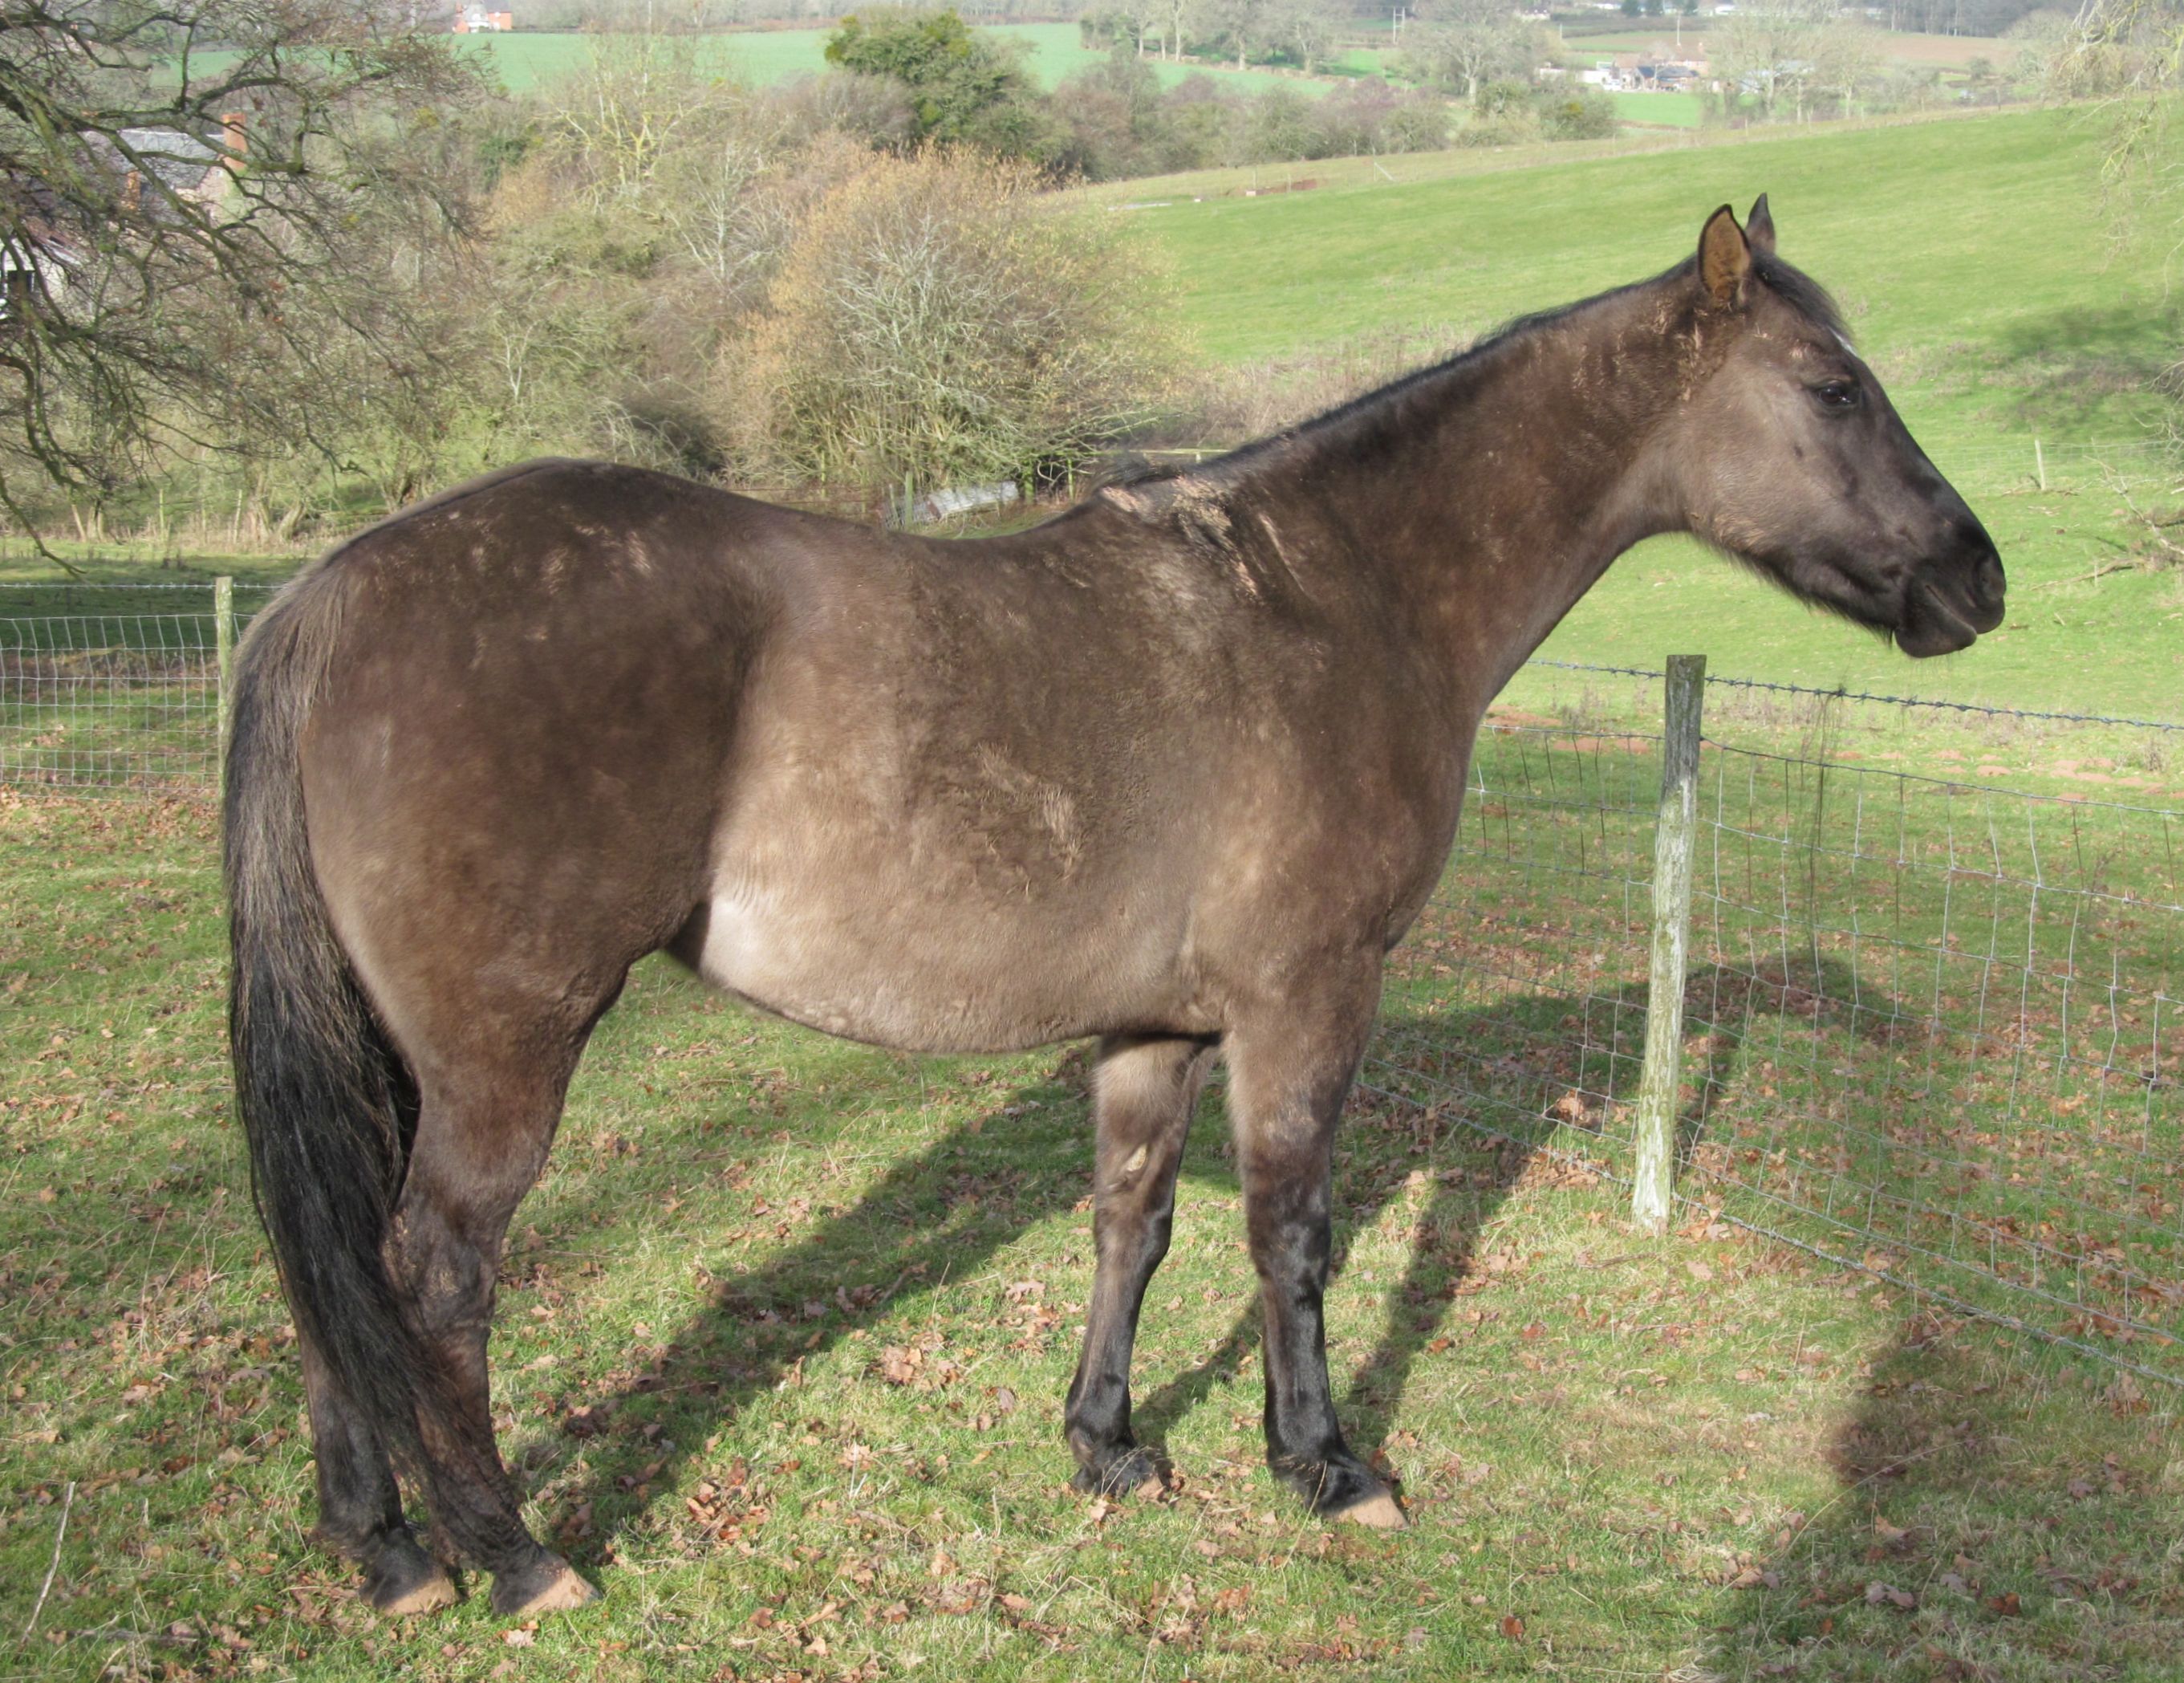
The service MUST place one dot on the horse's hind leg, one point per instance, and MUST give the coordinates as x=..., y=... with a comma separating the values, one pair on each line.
x=1143, y=1093
x=1288, y=1074
x=483, y=1134
x=359, y=1505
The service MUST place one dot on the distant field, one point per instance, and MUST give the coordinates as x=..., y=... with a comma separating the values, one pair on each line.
x=1666, y=110
x=1966, y=256
x=763, y=56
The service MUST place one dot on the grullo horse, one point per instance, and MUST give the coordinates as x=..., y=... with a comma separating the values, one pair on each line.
x=1173, y=771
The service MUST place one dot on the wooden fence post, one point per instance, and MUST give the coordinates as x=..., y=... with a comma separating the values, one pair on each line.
x=223, y=632
x=1653, y=1178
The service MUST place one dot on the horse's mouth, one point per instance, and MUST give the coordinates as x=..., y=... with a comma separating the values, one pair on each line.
x=1946, y=611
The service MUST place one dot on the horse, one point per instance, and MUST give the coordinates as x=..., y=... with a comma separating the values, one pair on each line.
x=1173, y=771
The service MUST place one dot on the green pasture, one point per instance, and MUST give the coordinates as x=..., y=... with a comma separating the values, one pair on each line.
x=1972, y=262
x=762, y=56
x=1659, y=110
x=782, y=1334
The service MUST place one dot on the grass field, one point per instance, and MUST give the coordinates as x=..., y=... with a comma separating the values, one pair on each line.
x=1971, y=261
x=782, y=1334
x=1658, y=110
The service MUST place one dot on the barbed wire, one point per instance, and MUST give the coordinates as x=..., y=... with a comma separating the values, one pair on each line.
x=1840, y=694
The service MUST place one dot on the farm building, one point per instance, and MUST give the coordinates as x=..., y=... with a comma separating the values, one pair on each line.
x=187, y=168
x=40, y=251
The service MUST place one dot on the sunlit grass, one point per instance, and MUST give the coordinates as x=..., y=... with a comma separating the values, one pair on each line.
x=781, y=1340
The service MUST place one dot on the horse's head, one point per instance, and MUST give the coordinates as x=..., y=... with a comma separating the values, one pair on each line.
x=1788, y=454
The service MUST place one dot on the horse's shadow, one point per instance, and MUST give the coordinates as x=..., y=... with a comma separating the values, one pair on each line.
x=1502, y=1079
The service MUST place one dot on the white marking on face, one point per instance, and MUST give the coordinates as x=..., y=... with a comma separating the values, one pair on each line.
x=1137, y=1162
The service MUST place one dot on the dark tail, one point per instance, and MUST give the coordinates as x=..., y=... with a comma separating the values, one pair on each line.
x=326, y=1100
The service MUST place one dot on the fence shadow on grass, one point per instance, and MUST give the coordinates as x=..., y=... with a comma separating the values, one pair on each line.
x=865, y=1262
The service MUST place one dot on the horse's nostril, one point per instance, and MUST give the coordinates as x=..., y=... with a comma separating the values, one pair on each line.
x=1987, y=580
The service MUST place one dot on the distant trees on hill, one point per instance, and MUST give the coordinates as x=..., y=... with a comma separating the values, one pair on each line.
x=1116, y=120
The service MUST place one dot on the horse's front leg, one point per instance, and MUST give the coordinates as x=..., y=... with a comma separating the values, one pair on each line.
x=1144, y=1092
x=1289, y=1072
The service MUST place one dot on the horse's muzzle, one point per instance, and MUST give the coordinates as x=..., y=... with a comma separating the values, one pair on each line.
x=1949, y=602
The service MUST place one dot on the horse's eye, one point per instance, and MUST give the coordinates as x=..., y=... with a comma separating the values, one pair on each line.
x=1837, y=394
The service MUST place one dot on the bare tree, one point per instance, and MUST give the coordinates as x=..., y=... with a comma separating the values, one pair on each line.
x=1771, y=48
x=181, y=177
x=1309, y=28
x=1471, y=41
x=1243, y=25
x=1846, y=60
x=2129, y=54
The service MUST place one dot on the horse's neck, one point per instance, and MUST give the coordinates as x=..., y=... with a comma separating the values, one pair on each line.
x=1490, y=495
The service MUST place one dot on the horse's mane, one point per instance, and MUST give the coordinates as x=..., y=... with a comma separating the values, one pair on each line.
x=1384, y=403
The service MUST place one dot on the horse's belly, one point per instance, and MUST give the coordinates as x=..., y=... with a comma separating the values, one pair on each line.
x=893, y=973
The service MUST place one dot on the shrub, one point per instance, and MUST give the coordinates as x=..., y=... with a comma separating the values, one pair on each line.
x=1577, y=114
x=940, y=318
x=964, y=83
x=1419, y=123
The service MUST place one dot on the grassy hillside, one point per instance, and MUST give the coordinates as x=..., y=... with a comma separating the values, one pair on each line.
x=1970, y=257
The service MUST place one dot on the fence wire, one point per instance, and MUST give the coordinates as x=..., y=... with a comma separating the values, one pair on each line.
x=1933, y=1028
x=1516, y=1007
x=107, y=686
x=1938, y=1031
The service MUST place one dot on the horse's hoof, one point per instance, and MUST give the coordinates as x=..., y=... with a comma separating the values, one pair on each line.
x=429, y=1596
x=403, y=1580
x=1380, y=1511
x=550, y=1586
x=1133, y=1472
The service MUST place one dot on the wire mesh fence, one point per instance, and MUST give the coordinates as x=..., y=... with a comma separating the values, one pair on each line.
x=107, y=686
x=1939, y=1033
x=1933, y=1028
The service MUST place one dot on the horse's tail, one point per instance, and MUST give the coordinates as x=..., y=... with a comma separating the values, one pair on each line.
x=326, y=1100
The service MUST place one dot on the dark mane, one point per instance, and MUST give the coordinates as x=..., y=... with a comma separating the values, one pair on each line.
x=1384, y=403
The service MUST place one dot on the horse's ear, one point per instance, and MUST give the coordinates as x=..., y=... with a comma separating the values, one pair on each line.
x=1724, y=257
x=1759, y=227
